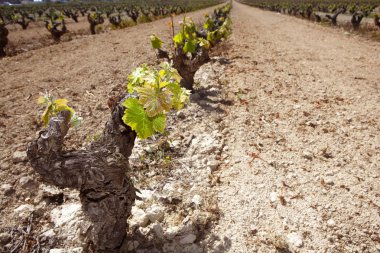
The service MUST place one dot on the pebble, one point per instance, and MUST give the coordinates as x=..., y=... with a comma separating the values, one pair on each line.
x=187, y=239
x=27, y=182
x=146, y=195
x=329, y=181
x=155, y=213
x=19, y=156
x=331, y=223
x=157, y=228
x=273, y=196
x=171, y=232
x=7, y=189
x=65, y=213
x=308, y=155
x=24, y=210
x=295, y=240
x=74, y=250
x=213, y=164
x=5, y=238
x=197, y=200
x=181, y=115
x=139, y=217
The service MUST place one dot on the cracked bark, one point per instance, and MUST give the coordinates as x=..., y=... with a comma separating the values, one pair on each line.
x=99, y=173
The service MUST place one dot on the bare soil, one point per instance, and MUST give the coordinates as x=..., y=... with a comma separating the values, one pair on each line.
x=300, y=167
x=304, y=141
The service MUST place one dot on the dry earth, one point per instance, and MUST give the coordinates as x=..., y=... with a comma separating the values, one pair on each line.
x=305, y=140
x=297, y=149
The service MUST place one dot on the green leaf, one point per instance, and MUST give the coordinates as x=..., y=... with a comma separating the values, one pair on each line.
x=178, y=39
x=189, y=47
x=53, y=106
x=47, y=114
x=136, y=78
x=158, y=91
x=169, y=73
x=136, y=117
x=159, y=123
x=204, y=43
x=155, y=101
x=155, y=41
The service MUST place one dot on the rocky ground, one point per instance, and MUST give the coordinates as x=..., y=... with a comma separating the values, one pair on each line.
x=278, y=151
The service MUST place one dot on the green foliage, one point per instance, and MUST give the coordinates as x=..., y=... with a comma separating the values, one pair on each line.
x=55, y=18
x=187, y=38
x=54, y=106
x=155, y=41
x=158, y=91
x=220, y=33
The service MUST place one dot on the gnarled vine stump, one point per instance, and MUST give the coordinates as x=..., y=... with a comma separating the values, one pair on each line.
x=3, y=38
x=99, y=173
x=186, y=66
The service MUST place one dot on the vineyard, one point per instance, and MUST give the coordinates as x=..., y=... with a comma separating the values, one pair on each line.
x=190, y=126
x=360, y=16
x=37, y=25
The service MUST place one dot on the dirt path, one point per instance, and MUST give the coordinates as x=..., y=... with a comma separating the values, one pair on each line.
x=306, y=107
x=304, y=140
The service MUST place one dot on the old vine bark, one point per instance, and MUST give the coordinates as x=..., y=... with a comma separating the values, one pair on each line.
x=99, y=173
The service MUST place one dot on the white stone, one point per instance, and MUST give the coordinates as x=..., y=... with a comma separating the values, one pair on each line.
x=27, y=182
x=273, y=196
x=25, y=210
x=49, y=190
x=49, y=233
x=175, y=144
x=74, y=250
x=213, y=164
x=5, y=238
x=19, y=156
x=6, y=189
x=331, y=223
x=172, y=232
x=187, y=239
x=197, y=200
x=155, y=213
x=329, y=181
x=146, y=195
x=65, y=213
x=57, y=251
x=139, y=217
x=295, y=240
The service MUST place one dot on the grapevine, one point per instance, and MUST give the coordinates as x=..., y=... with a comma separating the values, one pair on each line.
x=192, y=44
x=54, y=106
x=56, y=25
x=158, y=92
x=3, y=37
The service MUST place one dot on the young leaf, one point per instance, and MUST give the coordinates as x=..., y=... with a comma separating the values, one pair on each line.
x=159, y=123
x=136, y=117
x=189, y=46
x=154, y=100
x=155, y=41
x=178, y=39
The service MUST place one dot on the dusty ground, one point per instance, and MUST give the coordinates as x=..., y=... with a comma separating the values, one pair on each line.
x=36, y=35
x=299, y=165
x=305, y=140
